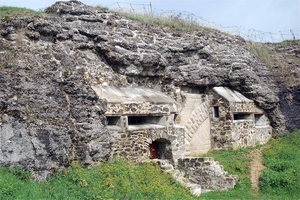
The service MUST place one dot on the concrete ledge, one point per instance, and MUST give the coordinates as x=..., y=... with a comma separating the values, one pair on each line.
x=145, y=126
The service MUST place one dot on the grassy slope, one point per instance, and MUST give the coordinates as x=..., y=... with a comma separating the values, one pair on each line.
x=280, y=179
x=282, y=59
x=117, y=180
x=8, y=11
x=121, y=180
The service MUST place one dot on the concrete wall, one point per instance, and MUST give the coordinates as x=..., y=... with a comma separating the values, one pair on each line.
x=140, y=108
x=132, y=140
x=207, y=173
x=194, y=116
x=236, y=125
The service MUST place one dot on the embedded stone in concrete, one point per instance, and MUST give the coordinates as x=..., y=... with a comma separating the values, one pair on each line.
x=236, y=121
x=207, y=173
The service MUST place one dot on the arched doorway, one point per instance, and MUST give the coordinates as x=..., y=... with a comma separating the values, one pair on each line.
x=160, y=149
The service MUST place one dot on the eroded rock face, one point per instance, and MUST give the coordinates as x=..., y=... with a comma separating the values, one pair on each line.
x=48, y=112
x=49, y=115
x=290, y=106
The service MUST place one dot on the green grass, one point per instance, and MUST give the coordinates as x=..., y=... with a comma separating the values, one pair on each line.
x=123, y=180
x=276, y=57
x=262, y=53
x=282, y=175
x=169, y=23
x=234, y=162
x=288, y=43
x=8, y=11
x=117, y=180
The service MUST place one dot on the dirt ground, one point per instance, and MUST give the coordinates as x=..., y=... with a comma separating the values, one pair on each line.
x=256, y=168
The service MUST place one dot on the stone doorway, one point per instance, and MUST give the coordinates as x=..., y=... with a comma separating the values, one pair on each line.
x=160, y=149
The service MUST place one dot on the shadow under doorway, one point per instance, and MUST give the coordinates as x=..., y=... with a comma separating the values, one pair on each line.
x=161, y=149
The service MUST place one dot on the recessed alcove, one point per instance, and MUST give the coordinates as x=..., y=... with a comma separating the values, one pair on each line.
x=146, y=122
x=216, y=112
x=260, y=120
x=242, y=117
x=160, y=149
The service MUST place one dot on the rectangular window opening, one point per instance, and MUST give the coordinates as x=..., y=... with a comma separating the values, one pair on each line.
x=216, y=112
x=139, y=120
x=113, y=120
x=260, y=120
x=242, y=116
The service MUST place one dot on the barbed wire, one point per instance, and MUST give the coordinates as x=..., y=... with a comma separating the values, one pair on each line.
x=250, y=34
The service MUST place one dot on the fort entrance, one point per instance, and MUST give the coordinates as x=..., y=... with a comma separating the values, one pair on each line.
x=160, y=149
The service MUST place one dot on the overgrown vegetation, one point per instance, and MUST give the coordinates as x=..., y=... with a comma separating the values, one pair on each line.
x=262, y=53
x=8, y=11
x=281, y=59
x=169, y=23
x=117, y=180
x=282, y=174
x=123, y=180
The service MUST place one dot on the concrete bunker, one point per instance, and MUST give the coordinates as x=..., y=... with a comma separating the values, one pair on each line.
x=219, y=119
x=240, y=122
x=140, y=118
x=142, y=122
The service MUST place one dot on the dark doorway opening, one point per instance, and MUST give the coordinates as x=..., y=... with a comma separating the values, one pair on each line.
x=160, y=149
x=153, y=150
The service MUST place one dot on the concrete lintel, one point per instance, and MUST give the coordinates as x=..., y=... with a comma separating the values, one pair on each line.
x=231, y=95
x=132, y=95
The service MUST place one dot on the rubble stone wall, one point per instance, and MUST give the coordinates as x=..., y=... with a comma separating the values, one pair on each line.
x=243, y=107
x=145, y=108
x=134, y=144
x=132, y=140
x=207, y=173
x=229, y=131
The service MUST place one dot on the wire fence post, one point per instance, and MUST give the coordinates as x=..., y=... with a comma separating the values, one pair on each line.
x=132, y=10
x=119, y=6
x=281, y=35
x=294, y=38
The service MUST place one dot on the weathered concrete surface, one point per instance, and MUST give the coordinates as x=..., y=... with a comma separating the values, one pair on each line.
x=240, y=123
x=194, y=116
x=290, y=106
x=132, y=95
x=231, y=96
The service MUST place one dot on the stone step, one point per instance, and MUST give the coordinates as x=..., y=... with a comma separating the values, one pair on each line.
x=179, y=176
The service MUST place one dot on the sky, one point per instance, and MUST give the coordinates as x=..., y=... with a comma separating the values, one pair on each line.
x=259, y=20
